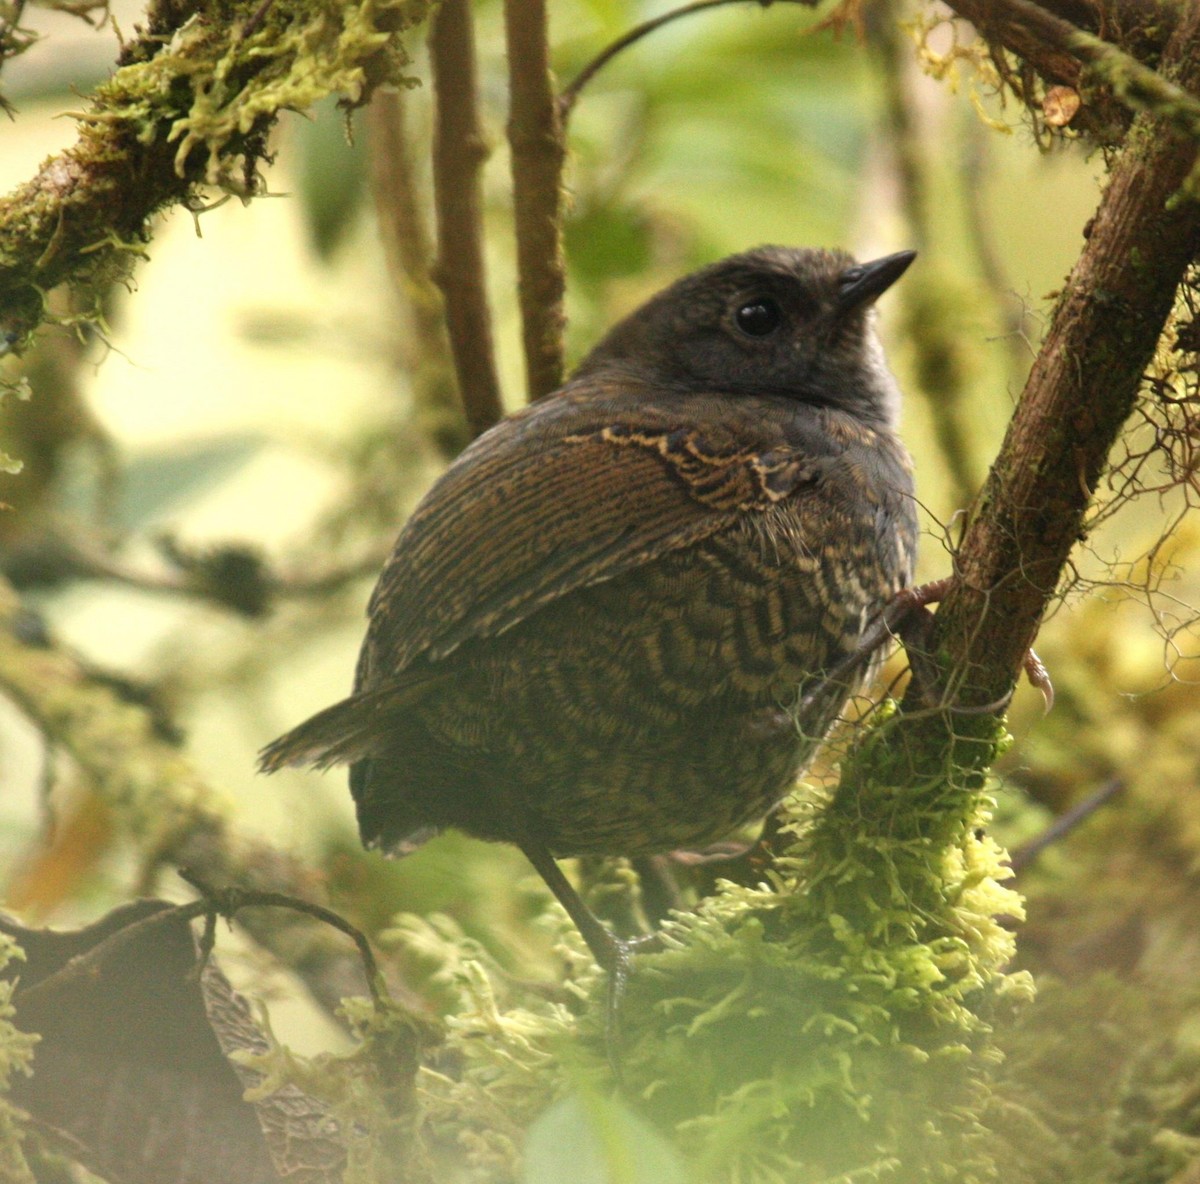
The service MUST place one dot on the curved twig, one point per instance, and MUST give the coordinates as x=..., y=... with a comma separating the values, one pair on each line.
x=225, y=902
x=570, y=93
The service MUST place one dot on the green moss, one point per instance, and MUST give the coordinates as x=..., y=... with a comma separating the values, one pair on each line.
x=370, y=1092
x=826, y=1025
x=193, y=107
x=215, y=81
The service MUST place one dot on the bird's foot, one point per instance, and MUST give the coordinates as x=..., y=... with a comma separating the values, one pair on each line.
x=616, y=959
x=907, y=617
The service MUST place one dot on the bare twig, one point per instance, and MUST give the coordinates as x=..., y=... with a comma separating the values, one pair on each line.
x=459, y=151
x=213, y=903
x=227, y=902
x=538, y=149
x=570, y=92
x=407, y=241
x=233, y=576
x=1024, y=855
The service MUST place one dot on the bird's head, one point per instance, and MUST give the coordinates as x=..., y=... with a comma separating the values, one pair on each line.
x=775, y=320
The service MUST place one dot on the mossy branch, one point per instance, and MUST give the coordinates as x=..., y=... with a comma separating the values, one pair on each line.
x=1079, y=393
x=535, y=134
x=1063, y=53
x=190, y=104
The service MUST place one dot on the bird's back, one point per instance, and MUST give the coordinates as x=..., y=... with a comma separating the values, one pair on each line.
x=636, y=690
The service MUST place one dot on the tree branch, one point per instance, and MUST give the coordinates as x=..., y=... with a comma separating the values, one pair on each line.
x=1079, y=393
x=459, y=151
x=1058, y=50
x=191, y=103
x=535, y=134
x=409, y=249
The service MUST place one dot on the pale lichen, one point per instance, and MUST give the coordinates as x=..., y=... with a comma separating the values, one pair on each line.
x=156, y=797
x=219, y=79
x=369, y=1092
x=16, y=1056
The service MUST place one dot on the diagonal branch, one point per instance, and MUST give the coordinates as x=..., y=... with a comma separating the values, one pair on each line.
x=538, y=149
x=459, y=151
x=1079, y=393
x=191, y=104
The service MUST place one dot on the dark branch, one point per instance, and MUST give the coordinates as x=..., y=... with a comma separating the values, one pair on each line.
x=1079, y=393
x=536, y=136
x=458, y=155
x=228, y=902
x=1064, y=824
x=232, y=575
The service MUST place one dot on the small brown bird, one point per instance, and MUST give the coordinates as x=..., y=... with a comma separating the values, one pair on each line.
x=595, y=631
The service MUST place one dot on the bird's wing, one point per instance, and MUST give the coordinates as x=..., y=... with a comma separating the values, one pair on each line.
x=569, y=495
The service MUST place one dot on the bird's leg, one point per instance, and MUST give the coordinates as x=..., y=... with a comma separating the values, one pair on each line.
x=912, y=622
x=608, y=950
x=660, y=892
x=904, y=616
x=613, y=955
x=743, y=863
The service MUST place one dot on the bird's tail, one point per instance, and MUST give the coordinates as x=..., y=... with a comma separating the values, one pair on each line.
x=348, y=731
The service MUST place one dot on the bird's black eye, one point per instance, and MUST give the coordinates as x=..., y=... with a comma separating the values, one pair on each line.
x=757, y=318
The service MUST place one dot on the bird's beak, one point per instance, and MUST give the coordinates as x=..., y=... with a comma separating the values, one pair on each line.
x=865, y=282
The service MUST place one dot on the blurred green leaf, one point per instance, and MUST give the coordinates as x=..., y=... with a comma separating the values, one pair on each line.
x=606, y=240
x=332, y=175
x=156, y=482
x=587, y=1139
